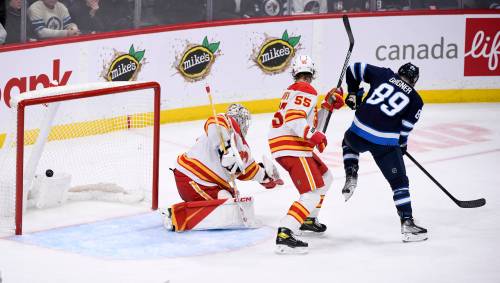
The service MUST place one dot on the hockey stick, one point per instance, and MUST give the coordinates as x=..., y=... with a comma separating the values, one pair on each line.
x=461, y=203
x=348, y=29
x=223, y=146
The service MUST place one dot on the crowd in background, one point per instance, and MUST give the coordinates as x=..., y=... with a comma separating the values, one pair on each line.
x=63, y=18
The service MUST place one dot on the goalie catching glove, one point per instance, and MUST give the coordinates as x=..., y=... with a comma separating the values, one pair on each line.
x=334, y=99
x=229, y=160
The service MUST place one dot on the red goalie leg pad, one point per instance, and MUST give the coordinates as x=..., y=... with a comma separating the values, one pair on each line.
x=189, y=190
x=186, y=215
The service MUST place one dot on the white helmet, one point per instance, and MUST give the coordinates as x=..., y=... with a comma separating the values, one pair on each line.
x=242, y=116
x=303, y=64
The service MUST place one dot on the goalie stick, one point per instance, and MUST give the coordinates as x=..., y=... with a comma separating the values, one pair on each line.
x=232, y=180
x=461, y=203
x=348, y=29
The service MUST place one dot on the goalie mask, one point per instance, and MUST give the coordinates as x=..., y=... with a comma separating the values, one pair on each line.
x=303, y=64
x=242, y=116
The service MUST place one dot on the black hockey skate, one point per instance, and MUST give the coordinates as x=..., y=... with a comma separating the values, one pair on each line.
x=411, y=232
x=286, y=243
x=312, y=226
x=351, y=181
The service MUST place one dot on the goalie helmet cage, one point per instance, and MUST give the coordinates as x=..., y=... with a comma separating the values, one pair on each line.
x=128, y=116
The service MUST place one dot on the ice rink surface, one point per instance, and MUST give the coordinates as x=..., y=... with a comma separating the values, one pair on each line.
x=458, y=143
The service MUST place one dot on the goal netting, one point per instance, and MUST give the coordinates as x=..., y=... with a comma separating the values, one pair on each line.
x=93, y=142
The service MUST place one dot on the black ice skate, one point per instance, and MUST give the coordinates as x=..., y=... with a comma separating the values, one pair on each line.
x=286, y=243
x=311, y=226
x=351, y=181
x=412, y=232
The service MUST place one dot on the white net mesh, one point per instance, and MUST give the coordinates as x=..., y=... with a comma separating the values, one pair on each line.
x=105, y=143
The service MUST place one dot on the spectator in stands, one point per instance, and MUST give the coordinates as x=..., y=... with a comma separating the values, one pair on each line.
x=309, y=7
x=225, y=9
x=117, y=14
x=3, y=34
x=435, y=4
x=87, y=15
x=391, y=5
x=13, y=21
x=51, y=19
x=481, y=4
x=354, y=5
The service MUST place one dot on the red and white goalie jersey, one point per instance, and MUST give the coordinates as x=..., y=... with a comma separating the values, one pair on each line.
x=297, y=114
x=202, y=163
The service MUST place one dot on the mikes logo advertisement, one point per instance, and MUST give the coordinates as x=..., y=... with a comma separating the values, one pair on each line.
x=124, y=66
x=482, y=47
x=275, y=54
x=197, y=60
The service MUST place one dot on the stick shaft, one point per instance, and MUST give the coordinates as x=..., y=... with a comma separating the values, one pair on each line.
x=348, y=29
x=461, y=203
x=232, y=181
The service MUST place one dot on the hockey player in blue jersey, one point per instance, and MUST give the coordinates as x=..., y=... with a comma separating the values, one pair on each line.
x=382, y=123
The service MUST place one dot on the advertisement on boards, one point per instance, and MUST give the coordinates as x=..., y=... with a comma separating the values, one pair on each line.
x=252, y=61
x=482, y=47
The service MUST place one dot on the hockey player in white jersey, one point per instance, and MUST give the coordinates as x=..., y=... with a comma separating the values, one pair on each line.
x=204, y=174
x=292, y=139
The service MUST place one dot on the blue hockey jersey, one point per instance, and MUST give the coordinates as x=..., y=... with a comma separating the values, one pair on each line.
x=391, y=108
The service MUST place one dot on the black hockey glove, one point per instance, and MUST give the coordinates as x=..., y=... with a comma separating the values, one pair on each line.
x=353, y=99
x=403, y=148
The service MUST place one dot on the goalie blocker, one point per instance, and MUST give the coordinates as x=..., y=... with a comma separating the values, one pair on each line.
x=211, y=214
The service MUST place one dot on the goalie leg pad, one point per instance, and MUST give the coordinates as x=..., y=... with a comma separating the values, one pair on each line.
x=213, y=214
x=189, y=190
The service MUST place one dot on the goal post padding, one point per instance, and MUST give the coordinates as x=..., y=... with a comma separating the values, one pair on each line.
x=105, y=135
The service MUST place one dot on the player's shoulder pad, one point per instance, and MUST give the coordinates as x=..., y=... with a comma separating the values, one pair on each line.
x=221, y=121
x=303, y=87
x=418, y=97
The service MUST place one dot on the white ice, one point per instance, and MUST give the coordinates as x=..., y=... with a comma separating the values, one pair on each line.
x=458, y=143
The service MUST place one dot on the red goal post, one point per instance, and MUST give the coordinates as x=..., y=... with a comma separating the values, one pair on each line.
x=72, y=93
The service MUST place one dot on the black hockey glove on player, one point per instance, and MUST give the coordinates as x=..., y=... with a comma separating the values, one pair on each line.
x=353, y=99
x=403, y=148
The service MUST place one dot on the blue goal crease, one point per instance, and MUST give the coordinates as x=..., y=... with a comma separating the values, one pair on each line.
x=142, y=237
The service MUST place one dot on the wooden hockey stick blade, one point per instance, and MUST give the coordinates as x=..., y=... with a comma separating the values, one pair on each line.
x=461, y=203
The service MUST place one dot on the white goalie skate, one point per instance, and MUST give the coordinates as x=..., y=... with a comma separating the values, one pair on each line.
x=411, y=232
x=166, y=214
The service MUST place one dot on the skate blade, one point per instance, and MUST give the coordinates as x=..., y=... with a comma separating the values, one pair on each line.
x=348, y=194
x=282, y=250
x=409, y=237
x=310, y=234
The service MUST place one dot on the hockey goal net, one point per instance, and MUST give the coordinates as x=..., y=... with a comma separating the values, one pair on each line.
x=95, y=142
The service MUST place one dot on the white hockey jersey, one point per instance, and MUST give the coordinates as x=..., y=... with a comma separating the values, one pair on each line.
x=296, y=115
x=49, y=23
x=202, y=163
